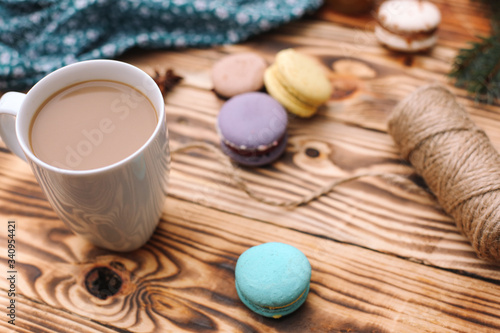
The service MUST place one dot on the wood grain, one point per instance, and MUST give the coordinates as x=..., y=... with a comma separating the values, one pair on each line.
x=184, y=279
x=41, y=318
x=350, y=135
x=385, y=258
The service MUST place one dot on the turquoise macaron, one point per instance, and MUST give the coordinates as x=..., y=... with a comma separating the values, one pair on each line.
x=272, y=279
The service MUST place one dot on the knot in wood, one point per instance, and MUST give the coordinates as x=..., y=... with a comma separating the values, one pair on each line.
x=102, y=282
x=312, y=152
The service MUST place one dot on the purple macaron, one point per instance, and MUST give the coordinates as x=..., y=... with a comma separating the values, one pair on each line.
x=252, y=127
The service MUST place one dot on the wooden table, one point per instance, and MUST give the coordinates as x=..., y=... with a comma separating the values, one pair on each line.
x=384, y=259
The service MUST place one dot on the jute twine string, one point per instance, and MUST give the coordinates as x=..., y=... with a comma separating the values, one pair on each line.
x=232, y=173
x=457, y=161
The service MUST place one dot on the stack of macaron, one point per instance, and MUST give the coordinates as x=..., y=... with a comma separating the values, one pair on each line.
x=407, y=26
x=252, y=124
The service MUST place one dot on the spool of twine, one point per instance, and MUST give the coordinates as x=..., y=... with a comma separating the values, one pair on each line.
x=457, y=161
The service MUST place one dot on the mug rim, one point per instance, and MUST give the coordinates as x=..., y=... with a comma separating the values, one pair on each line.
x=40, y=86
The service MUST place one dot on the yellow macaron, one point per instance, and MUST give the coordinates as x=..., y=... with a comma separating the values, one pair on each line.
x=289, y=101
x=298, y=82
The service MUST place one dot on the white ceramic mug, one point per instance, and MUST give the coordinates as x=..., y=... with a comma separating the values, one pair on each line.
x=118, y=206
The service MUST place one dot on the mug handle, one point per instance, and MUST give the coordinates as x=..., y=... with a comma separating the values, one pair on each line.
x=10, y=103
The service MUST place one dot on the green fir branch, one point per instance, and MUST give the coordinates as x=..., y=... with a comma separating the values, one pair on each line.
x=477, y=69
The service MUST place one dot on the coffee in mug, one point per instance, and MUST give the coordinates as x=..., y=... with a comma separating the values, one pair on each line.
x=91, y=124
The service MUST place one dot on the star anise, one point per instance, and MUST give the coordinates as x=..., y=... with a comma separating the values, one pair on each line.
x=167, y=81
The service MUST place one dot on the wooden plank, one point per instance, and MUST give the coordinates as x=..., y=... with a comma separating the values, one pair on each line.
x=360, y=217
x=462, y=20
x=349, y=133
x=385, y=258
x=40, y=318
x=183, y=279
x=350, y=136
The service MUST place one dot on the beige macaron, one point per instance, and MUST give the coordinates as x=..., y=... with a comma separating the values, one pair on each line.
x=238, y=73
x=407, y=25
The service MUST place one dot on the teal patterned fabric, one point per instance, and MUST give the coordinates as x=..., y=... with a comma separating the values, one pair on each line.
x=39, y=36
